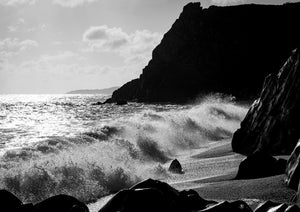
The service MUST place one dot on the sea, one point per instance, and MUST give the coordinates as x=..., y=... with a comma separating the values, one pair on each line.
x=54, y=144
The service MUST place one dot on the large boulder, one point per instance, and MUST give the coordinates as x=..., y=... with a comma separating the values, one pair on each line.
x=9, y=201
x=260, y=165
x=61, y=203
x=153, y=195
x=272, y=122
x=219, y=49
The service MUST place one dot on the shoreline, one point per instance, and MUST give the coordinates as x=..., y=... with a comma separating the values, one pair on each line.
x=211, y=173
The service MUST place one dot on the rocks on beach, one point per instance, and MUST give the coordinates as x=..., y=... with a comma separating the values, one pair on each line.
x=260, y=165
x=58, y=203
x=270, y=206
x=175, y=167
x=153, y=195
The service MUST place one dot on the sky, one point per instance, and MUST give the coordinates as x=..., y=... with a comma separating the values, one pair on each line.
x=55, y=46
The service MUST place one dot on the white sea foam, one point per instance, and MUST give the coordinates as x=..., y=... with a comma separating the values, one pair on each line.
x=114, y=152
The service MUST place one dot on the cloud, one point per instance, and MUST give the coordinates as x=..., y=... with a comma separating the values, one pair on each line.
x=16, y=27
x=67, y=62
x=61, y=72
x=226, y=2
x=13, y=46
x=106, y=38
x=17, y=2
x=63, y=3
x=135, y=46
x=72, y=3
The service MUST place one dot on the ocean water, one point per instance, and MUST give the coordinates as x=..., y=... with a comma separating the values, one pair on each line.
x=53, y=144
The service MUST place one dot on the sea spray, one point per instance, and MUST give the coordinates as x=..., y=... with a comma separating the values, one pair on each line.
x=116, y=153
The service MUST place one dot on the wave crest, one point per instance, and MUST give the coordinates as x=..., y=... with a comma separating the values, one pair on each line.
x=118, y=153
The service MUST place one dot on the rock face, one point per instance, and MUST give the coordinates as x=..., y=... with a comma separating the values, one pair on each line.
x=272, y=122
x=293, y=169
x=219, y=49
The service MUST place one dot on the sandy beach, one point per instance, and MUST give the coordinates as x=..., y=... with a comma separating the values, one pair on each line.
x=211, y=173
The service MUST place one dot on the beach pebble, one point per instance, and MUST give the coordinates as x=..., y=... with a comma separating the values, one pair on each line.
x=176, y=167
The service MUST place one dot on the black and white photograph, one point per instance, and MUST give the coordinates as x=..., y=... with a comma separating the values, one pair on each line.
x=150, y=106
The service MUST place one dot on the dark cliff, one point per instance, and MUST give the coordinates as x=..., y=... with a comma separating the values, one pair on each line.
x=272, y=123
x=219, y=49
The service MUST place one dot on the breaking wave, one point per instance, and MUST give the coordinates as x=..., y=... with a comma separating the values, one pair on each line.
x=117, y=153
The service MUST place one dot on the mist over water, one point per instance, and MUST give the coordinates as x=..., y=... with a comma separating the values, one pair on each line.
x=63, y=144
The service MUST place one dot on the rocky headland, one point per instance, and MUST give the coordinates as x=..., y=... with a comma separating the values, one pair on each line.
x=219, y=49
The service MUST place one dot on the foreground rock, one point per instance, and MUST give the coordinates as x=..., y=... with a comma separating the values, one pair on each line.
x=58, y=203
x=260, y=165
x=270, y=206
x=219, y=49
x=152, y=195
x=272, y=123
x=146, y=196
x=293, y=169
x=61, y=203
x=9, y=201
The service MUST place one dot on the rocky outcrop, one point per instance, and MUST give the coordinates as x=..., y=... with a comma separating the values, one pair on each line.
x=272, y=122
x=260, y=165
x=293, y=169
x=126, y=92
x=219, y=49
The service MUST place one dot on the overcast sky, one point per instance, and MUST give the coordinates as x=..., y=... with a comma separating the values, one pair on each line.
x=54, y=46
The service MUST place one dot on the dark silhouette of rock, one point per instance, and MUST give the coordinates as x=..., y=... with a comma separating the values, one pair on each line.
x=121, y=102
x=260, y=165
x=220, y=49
x=61, y=203
x=293, y=169
x=270, y=206
x=176, y=167
x=98, y=103
x=272, y=122
x=128, y=92
x=9, y=201
x=146, y=199
x=152, y=195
